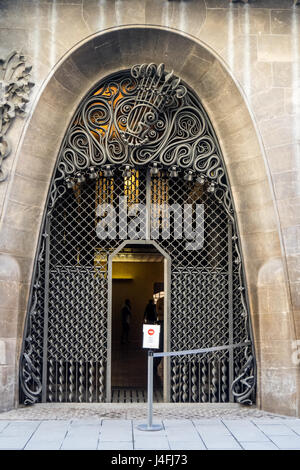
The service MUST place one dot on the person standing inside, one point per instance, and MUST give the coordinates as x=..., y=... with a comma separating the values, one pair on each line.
x=150, y=315
x=125, y=318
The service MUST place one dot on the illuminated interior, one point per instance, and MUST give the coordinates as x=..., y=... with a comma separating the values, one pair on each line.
x=136, y=274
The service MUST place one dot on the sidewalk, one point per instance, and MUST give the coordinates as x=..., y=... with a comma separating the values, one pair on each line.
x=228, y=427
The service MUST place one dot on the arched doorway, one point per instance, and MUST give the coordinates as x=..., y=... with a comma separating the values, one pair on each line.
x=138, y=272
x=140, y=161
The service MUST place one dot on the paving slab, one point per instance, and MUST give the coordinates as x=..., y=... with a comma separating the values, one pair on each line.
x=116, y=430
x=17, y=434
x=268, y=420
x=48, y=436
x=244, y=430
x=151, y=444
x=216, y=435
x=83, y=436
x=276, y=429
x=180, y=432
x=182, y=436
x=87, y=422
x=293, y=424
x=108, y=422
x=287, y=442
x=221, y=443
x=115, y=446
x=43, y=445
x=208, y=421
x=149, y=440
x=173, y=423
x=258, y=446
x=193, y=445
x=212, y=429
x=3, y=425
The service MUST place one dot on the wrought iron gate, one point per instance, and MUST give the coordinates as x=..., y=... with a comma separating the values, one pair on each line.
x=139, y=161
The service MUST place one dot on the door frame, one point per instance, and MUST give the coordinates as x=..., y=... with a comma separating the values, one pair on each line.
x=167, y=319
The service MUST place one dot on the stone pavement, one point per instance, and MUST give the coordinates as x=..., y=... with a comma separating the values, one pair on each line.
x=108, y=426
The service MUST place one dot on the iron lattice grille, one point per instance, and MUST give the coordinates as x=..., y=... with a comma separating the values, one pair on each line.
x=143, y=135
x=207, y=277
x=78, y=288
x=76, y=355
x=204, y=321
x=176, y=193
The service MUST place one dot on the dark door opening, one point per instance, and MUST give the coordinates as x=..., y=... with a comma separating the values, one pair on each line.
x=137, y=276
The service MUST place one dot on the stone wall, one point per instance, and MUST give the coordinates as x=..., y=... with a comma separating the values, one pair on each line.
x=243, y=61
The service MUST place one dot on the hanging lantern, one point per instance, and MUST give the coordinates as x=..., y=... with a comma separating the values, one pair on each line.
x=127, y=171
x=189, y=176
x=154, y=170
x=80, y=178
x=108, y=171
x=211, y=188
x=173, y=172
x=70, y=182
x=92, y=173
x=201, y=179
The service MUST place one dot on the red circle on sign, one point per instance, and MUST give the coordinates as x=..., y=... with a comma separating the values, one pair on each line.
x=151, y=332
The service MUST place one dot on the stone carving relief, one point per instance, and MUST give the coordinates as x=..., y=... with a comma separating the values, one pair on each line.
x=15, y=87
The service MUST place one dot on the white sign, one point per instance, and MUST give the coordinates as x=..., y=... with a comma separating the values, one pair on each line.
x=151, y=336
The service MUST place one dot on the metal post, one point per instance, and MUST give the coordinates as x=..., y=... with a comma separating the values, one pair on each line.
x=150, y=388
x=150, y=426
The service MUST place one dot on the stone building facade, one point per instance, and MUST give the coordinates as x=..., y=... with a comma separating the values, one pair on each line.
x=243, y=62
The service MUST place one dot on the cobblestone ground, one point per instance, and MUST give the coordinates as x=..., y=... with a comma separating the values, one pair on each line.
x=115, y=427
x=63, y=411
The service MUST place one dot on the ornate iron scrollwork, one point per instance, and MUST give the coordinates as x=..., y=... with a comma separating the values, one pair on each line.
x=15, y=86
x=135, y=121
x=242, y=387
x=120, y=122
x=155, y=93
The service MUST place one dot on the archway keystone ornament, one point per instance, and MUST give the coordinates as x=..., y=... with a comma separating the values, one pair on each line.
x=142, y=135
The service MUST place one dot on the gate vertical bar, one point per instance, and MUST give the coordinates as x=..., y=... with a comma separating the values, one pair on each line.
x=167, y=328
x=148, y=205
x=46, y=310
x=230, y=308
x=109, y=330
